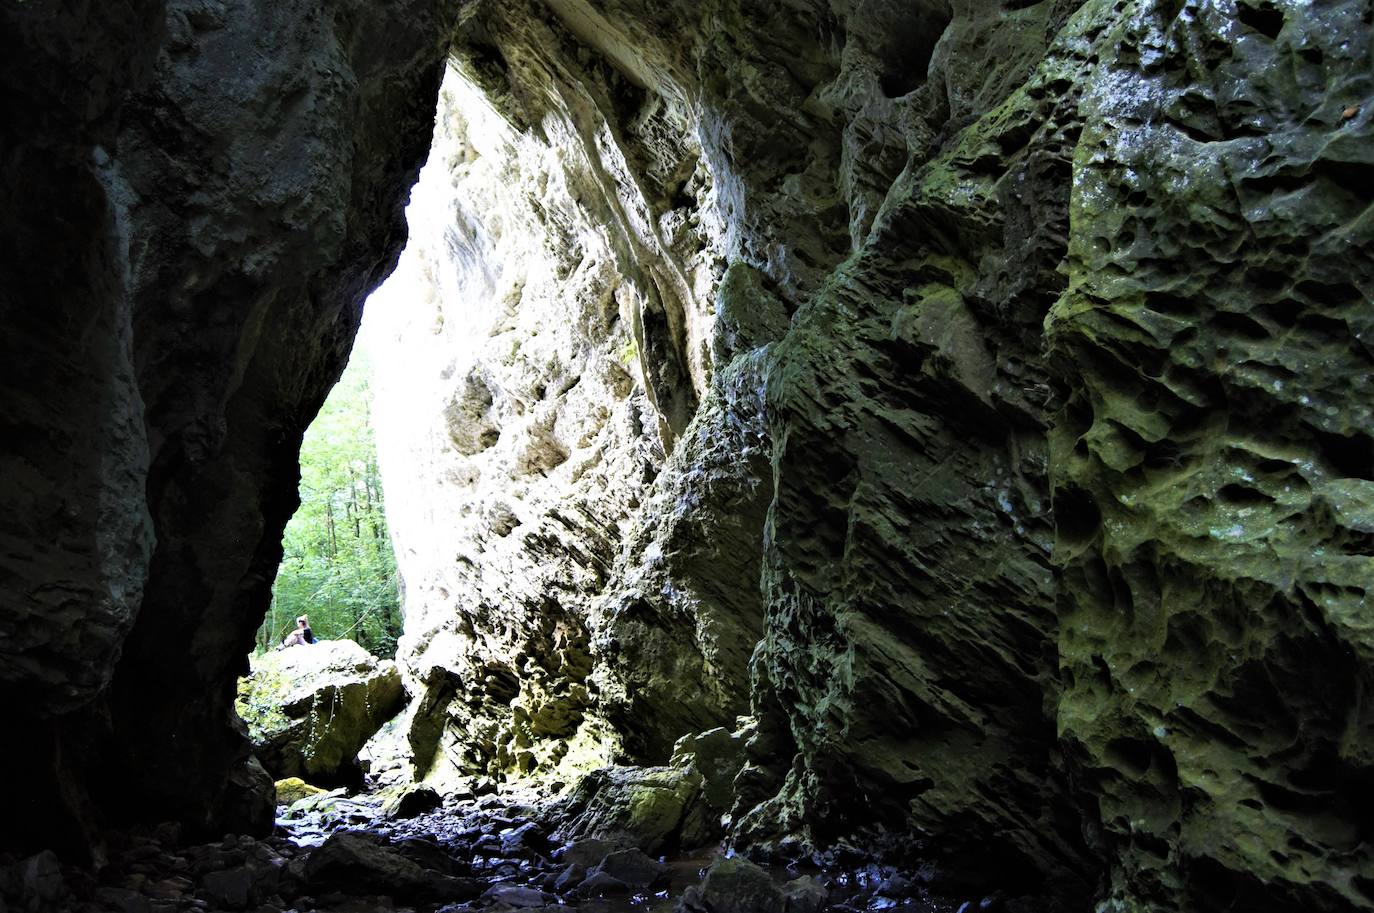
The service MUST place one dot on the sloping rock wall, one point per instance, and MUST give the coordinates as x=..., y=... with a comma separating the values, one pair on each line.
x=1012, y=423
x=198, y=197
x=549, y=349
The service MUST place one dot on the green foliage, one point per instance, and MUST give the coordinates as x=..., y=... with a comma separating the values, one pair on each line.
x=338, y=565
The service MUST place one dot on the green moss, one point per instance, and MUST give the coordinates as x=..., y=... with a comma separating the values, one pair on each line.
x=259, y=701
x=293, y=789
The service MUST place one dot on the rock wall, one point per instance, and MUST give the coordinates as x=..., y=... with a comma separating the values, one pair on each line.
x=198, y=197
x=972, y=396
x=1212, y=458
x=993, y=422
x=539, y=347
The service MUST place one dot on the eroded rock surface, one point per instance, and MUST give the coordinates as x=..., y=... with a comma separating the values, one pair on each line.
x=310, y=709
x=1212, y=457
x=1005, y=443
x=197, y=198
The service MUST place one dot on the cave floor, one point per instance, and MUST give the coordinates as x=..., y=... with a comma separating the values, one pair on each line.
x=496, y=854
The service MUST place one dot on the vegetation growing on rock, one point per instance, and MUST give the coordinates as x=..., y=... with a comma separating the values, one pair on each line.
x=310, y=709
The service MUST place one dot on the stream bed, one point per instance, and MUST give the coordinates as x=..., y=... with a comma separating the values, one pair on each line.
x=496, y=854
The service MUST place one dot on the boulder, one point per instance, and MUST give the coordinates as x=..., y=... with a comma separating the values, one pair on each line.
x=414, y=801
x=632, y=807
x=804, y=895
x=585, y=853
x=360, y=863
x=632, y=867
x=734, y=885
x=569, y=878
x=525, y=839
x=310, y=709
x=293, y=789
x=599, y=884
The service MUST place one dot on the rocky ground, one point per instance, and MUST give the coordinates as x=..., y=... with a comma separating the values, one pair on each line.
x=500, y=852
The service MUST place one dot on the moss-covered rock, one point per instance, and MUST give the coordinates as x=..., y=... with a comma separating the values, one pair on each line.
x=1212, y=456
x=641, y=807
x=293, y=789
x=310, y=709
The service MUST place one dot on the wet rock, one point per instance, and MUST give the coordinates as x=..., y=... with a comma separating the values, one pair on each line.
x=734, y=885
x=569, y=878
x=413, y=801
x=896, y=885
x=524, y=839
x=361, y=864
x=516, y=896
x=632, y=867
x=601, y=884
x=804, y=895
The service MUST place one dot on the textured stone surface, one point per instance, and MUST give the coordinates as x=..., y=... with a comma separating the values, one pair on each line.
x=520, y=435
x=975, y=394
x=1212, y=459
x=1013, y=424
x=900, y=437
x=311, y=708
x=197, y=198
x=644, y=808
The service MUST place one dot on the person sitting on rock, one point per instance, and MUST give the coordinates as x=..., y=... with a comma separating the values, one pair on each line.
x=302, y=635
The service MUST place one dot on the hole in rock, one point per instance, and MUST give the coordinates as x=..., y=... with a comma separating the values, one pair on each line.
x=1076, y=517
x=1351, y=456
x=1242, y=496
x=910, y=44
x=1263, y=18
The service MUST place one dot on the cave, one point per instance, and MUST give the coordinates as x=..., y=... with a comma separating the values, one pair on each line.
x=786, y=453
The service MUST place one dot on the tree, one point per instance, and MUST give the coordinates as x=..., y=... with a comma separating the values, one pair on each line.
x=338, y=565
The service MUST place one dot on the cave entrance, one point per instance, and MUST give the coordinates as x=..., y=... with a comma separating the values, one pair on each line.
x=338, y=567
x=534, y=357
x=322, y=709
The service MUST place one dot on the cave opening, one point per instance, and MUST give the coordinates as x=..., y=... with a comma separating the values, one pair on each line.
x=680, y=262
x=464, y=489
x=338, y=569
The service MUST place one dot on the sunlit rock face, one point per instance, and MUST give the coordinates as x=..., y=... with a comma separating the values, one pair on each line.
x=992, y=427
x=198, y=197
x=541, y=346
